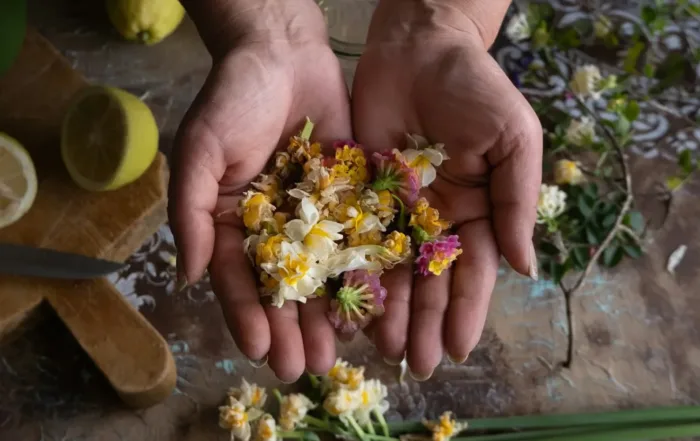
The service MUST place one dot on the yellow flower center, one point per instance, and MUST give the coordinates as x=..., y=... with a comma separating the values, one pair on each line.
x=397, y=243
x=351, y=164
x=365, y=397
x=294, y=269
x=420, y=163
x=267, y=252
x=373, y=237
x=441, y=263
x=254, y=209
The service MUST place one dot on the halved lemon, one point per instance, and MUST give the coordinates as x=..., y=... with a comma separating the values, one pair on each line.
x=18, y=181
x=109, y=138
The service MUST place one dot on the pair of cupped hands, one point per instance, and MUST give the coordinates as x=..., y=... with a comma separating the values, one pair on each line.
x=424, y=70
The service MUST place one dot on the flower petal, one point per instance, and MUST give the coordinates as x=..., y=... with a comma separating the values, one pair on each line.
x=428, y=175
x=297, y=229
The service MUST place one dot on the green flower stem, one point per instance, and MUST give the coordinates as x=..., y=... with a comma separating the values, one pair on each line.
x=315, y=382
x=633, y=434
x=370, y=429
x=356, y=427
x=401, y=223
x=307, y=130
x=533, y=435
x=656, y=415
x=380, y=438
x=382, y=422
x=313, y=421
x=290, y=435
x=277, y=395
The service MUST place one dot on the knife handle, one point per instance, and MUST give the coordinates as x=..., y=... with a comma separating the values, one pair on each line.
x=129, y=351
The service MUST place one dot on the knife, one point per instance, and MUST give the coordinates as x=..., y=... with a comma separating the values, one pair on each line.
x=23, y=260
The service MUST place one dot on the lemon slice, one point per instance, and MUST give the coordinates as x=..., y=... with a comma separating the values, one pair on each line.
x=18, y=182
x=109, y=138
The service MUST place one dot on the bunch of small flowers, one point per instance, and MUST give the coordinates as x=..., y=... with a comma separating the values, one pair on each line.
x=320, y=224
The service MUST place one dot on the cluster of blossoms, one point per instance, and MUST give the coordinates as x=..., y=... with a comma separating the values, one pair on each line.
x=349, y=406
x=322, y=224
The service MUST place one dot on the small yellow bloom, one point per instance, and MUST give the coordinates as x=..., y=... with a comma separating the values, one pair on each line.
x=428, y=218
x=235, y=418
x=373, y=237
x=567, y=172
x=437, y=266
x=343, y=401
x=445, y=428
x=424, y=157
x=350, y=164
x=255, y=208
x=301, y=150
x=270, y=186
x=344, y=376
x=385, y=207
x=269, y=250
x=266, y=429
x=373, y=399
x=250, y=395
x=293, y=409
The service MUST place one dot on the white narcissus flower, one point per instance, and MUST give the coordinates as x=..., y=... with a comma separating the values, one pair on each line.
x=318, y=235
x=551, y=203
x=567, y=172
x=518, y=28
x=580, y=132
x=298, y=273
x=586, y=81
x=342, y=402
x=354, y=258
x=424, y=157
x=373, y=399
x=293, y=409
x=236, y=418
x=266, y=429
x=250, y=395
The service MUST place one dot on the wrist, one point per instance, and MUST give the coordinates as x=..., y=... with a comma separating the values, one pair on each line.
x=405, y=18
x=226, y=24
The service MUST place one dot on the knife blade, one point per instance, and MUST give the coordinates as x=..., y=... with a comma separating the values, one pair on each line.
x=23, y=260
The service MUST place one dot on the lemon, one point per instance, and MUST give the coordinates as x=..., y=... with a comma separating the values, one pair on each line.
x=109, y=138
x=145, y=21
x=18, y=182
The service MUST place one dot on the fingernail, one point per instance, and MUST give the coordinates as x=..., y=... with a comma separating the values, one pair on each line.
x=533, y=263
x=417, y=377
x=392, y=361
x=258, y=363
x=457, y=360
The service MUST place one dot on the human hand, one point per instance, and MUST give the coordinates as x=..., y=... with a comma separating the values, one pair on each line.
x=260, y=89
x=426, y=70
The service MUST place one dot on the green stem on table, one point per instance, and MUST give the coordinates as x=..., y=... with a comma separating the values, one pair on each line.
x=534, y=434
x=633, y=434
x=290, y=435
x=313, y=421
x=356, y=427
x=382, y=422
x=370, y=428
x=661, y=415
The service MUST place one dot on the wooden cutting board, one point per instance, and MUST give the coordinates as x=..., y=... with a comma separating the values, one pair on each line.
x=133, y=356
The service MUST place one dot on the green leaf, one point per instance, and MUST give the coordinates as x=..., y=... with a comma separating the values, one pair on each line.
x=649, y=70
x=622, y=125
x=583, y=207
x=633, y=250
x=609, y=220
x=635, y=221
x=612, y=255
x=311, y=436
x=591, y=236
x=591, y=190
x=648, y=14
x=685, y=161
x=674, y=182
x=632, y=110
x=630, y=62
x=580, y=257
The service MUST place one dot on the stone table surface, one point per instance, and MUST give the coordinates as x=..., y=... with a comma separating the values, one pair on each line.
x=636, y=328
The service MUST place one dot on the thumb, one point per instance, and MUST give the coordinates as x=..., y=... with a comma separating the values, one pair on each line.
x=515, y=181
x=197, y=167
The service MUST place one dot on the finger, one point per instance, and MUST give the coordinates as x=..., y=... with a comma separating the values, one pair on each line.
x=286, y=357
x=391, y=329
x=317, y=335
x=515, y=184
x=428, y=305
x=234, y=284
x=473, y=280
x=197, y=167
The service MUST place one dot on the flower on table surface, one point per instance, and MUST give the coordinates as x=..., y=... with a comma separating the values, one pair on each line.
x=567, y=172
x=424, y=157
x=586, y=80
x=342, y=402
x=293, y=409
x=551, y=203
x=266, y=429
x=360, y=299
x=350, y=162
x=373, y=400
x=236, y=418
x=297, y=271
x=255, y=208
x=580, y=132
x=437, y=255
x=343, y=375
x=518, y=28
x=428, y=219
x=249, y=395
x=319, y=236
x=394, y=174
x=445, y=428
